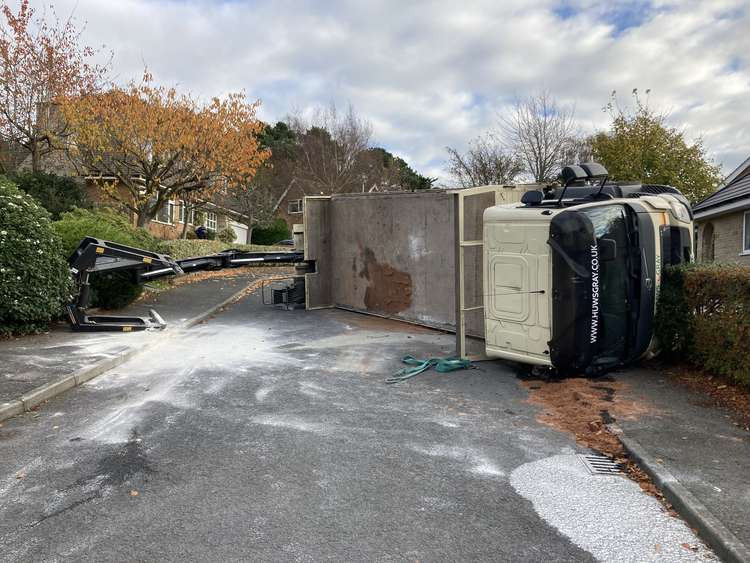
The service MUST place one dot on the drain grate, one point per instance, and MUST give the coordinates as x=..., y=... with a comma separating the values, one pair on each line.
x=600, y=465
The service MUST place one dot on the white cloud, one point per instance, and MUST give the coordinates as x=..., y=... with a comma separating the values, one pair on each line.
x=434, y=74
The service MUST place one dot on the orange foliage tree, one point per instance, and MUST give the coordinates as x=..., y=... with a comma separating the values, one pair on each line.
x=40, y=62
x=146, y=144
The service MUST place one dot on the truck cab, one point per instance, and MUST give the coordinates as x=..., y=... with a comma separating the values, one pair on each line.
x=572, y=276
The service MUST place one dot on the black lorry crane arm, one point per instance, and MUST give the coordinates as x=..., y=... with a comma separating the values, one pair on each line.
x=96, y=255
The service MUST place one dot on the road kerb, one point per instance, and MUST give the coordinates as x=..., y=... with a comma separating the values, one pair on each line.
x=724, y=543
x=10, y=409
x=52, y=389
x=206, y=314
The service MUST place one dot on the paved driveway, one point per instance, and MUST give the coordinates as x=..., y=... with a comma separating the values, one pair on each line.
x=270, y=435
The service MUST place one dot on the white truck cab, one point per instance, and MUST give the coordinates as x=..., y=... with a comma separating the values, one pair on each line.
x=572, y=276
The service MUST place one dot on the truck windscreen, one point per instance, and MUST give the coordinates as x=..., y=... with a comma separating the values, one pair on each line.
x=596, y=286
x=611, y=283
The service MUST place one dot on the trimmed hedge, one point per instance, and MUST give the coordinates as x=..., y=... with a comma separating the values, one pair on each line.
x=34, y=276
x=704, y=317
x=278, y=231
x=101, y=223
x=116, y=289
x=187, y=248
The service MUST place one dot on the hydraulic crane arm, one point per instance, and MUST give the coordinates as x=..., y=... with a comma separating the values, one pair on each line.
x=100, y=256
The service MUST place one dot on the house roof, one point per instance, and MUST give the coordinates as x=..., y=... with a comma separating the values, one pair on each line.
x=735, y=190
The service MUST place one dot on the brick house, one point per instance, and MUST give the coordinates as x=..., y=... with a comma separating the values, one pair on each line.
x=169, y=222
x=291, y=206
x=722, y=220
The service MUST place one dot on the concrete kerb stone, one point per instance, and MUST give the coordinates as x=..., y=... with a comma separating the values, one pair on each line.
x=696, y=514
x=10, y=409
x=54, y=388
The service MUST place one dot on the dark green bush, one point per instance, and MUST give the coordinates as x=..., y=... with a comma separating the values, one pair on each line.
x=278, y=231
x=34, y=276
x=673, y=322
x=704, y=317
x=114, y=290
x=227, y=235
x=57, y=194
x=101, y=223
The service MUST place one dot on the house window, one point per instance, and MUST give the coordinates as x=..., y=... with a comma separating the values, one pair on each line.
x=746, y=234
x=295, y=206
x=192, y=217
x=166, y=213
x=182, y=211
x=211, y=221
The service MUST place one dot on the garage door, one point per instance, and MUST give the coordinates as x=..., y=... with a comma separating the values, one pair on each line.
x=240, y=231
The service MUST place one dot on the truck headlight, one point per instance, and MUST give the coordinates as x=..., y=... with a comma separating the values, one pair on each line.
x=680, y=211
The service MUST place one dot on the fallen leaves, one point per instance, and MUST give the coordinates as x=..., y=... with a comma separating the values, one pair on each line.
x=717, y=391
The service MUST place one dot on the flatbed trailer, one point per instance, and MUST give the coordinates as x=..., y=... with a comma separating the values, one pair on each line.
x=102, y=256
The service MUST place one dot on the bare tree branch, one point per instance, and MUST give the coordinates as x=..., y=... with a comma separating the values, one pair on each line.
x=537, y=131
x=485, y=163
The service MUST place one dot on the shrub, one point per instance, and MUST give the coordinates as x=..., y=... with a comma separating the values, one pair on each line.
x=185, y=248
x=34, y=276
x=278, y=231
x=116, y=289
x=710, y=324
x=227, y=235
x=101, y=223
x=673, y=321
x=57, y=194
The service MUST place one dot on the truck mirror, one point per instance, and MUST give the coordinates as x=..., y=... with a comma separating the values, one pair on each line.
x=607, y=249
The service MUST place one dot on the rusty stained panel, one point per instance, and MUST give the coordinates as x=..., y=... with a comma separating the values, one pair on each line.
x=388, y=290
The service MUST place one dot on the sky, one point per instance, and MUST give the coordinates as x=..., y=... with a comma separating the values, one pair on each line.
x=433, y=74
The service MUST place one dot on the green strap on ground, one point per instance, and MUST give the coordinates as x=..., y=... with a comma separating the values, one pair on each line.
x=442, y=365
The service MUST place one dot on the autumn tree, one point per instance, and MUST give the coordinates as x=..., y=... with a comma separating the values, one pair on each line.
x=42, y=63
x=148, y=144
x=486, y=162
x=259, y=200
x=641, y=146
x=538, y=131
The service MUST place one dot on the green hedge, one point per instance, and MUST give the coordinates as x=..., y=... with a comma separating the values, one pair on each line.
x=187, y=248
x=101, y=223
x=57, y=194
x=116, y=289
x=278, y=231
x=34, y=275
x=704, y=317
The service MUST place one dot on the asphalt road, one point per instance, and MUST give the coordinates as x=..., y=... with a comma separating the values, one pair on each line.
x=270, y=435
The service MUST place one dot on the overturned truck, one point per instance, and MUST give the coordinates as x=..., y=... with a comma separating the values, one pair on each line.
x=565, y=277
x=572, y=275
